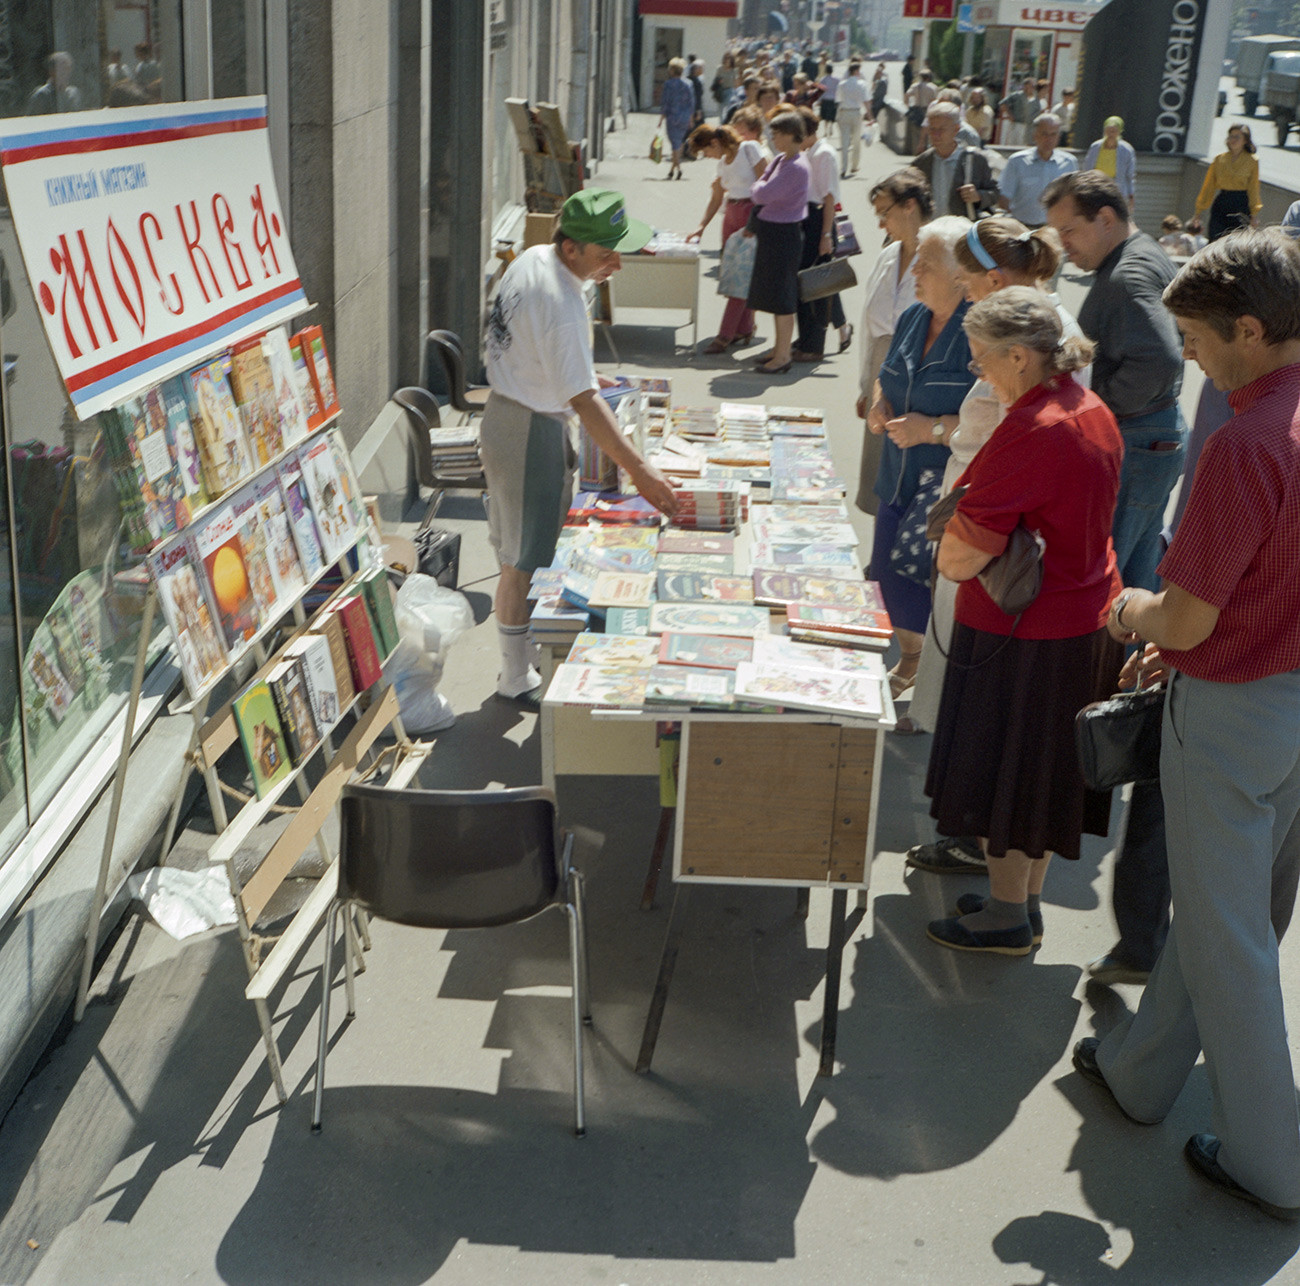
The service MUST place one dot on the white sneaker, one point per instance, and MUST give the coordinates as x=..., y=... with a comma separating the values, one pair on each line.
x=519, y=686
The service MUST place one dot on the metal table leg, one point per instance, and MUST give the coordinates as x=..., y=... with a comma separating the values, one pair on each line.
x=834, y=959
x=662, y=836
x=667, y=963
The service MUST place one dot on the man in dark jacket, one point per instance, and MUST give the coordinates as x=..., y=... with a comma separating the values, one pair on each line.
x=961, y=178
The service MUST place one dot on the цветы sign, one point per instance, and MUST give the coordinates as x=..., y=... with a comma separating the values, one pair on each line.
x=151, y=235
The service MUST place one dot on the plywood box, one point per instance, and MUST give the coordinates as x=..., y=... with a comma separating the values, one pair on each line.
x=539, y=229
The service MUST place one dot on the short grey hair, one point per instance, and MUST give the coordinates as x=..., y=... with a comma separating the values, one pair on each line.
x=1025, y=316
x=949, y=110
x=949, y=230
x=1047, y=118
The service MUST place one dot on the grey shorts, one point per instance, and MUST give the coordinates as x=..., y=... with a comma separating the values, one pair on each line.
x=528, y=460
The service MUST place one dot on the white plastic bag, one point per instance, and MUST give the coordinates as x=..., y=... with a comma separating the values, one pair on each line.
x=184, y=903
x=868, y=133
x=431, y=616
x=414, y=674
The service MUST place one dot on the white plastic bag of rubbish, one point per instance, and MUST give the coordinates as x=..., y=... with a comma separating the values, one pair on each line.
x=184, y=903
x=414, y=674
x=868, y=133
x=431, y=616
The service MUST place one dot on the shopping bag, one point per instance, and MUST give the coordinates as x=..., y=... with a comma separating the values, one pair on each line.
x=657, y=148
x=823, y=279
x=737, y=267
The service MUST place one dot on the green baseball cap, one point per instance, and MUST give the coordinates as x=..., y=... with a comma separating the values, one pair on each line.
x=597, y=215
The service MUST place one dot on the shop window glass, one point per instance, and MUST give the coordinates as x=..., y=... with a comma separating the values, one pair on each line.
x=71, y=592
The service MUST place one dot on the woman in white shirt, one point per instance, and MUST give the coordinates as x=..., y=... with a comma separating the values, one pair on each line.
x=740, y=165
x=902, y=203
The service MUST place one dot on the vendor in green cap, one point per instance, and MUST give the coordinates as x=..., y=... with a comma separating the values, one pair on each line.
x=539, y=365
x=1114, y=157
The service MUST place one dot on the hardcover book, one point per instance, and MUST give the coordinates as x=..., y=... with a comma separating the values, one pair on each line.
x=318, y=368
x=284, y=380
x=613, y=651
x=142, y=423
x=839, y=620
x=627, y=620
x=713, y=564
x=695, y=587
x=188, y=616
x=305, y=384
x=675, y=541
x=258, y=722
x=313, y=651
x=775, y=651
x=189, y=463
x=684, y=686
x=706, y=651
x=788, y=555
x=777, y=589
x=293, y=704
x=379, y=598
x=622, y=589
x=709, y=618
x=363, y=653
x=254, y=389
x=219, y=545
x=254, y=539
x=298, y=508
x=589, y=685
x=223, y=448
x=824, y=691
x=330, y=628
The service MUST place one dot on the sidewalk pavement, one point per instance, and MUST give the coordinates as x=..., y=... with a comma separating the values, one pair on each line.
x=953, y=1144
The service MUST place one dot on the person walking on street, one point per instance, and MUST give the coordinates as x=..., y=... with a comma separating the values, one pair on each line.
x=1027, y=174
x=961, y=179
x=851, y=96
x=1138, y=369
x=1231, y=188
x=1227, y=626
x=539, y=367
x=676, y=109
x=1114, y=157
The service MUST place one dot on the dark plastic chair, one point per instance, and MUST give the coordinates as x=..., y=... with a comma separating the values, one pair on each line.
x=444, y=352
x=443, y=859
x=421, y=414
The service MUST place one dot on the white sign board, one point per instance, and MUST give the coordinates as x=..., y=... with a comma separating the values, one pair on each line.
x=1043, y=17
x=151, y=235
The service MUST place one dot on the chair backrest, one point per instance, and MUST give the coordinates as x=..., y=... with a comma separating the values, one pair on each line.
x=441, y=859
x=444, y=353
x=420, y=412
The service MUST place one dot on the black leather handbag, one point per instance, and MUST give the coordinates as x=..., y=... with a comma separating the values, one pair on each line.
x=1119, y=739
x=823, y=279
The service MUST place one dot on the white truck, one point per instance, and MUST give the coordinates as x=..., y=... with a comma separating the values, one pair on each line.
x=1252, y=54
x=1279, y=91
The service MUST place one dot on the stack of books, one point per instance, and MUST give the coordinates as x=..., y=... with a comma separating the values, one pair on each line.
x=712, y=506
x=455, y=451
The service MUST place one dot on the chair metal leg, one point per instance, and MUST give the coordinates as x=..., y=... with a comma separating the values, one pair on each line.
x=323, y=1035
x=578, y=896
x=349, y=968
x=352, y=942
x=363, y=927
x=576, y=939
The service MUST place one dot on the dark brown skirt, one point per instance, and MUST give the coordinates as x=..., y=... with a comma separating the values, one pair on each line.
x=1003, y=764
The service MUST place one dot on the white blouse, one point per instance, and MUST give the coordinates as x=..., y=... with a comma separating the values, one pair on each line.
x=737, y=177
x=888, y=297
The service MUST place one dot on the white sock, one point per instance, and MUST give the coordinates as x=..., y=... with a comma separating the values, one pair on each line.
x=517, y=675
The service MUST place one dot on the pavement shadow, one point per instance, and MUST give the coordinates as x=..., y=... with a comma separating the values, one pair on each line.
x=994, y=1027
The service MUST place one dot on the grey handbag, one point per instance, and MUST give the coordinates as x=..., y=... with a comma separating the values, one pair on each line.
x=825, y=279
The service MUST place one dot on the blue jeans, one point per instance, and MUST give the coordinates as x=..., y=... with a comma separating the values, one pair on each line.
x=1145, y=484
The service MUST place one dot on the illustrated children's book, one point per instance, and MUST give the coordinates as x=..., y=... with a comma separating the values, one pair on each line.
x=258, y=722
x=220, y=549
x=223, y=447
x=185, y=608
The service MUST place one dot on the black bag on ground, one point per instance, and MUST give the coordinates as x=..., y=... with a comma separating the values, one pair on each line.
x=1119, y=739
x=439, y=552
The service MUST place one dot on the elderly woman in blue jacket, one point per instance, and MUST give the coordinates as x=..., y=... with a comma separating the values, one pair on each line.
x=918, y=396
x=1111, y=155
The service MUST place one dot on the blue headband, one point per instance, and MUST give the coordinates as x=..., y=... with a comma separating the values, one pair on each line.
x=976, y=247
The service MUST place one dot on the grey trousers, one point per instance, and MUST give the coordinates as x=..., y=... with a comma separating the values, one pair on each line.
x=1230, y=776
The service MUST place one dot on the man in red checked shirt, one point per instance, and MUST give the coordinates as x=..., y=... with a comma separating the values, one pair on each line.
x=1227, y=627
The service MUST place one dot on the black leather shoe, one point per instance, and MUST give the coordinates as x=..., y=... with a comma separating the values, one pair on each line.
x=1085, y=1063
x=1202, y=1153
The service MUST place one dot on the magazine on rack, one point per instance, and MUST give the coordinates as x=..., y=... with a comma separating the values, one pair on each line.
x=254, y=540
x=298, y=508
x=146, y=439
x=223, y=448
x=278, y=539
x=254, y=389
x=284, y=380
x=330, y=507
x=218, y=543
x=188, y=615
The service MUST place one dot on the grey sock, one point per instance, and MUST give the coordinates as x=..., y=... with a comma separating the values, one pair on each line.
x=1034, y=903
x=996, y=915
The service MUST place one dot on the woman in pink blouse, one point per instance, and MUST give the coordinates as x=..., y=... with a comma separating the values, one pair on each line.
x=781, y=198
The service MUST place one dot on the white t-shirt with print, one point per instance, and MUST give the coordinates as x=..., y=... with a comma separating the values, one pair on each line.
x=539, y=334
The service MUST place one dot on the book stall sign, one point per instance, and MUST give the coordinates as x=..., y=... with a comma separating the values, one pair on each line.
x=151, y=236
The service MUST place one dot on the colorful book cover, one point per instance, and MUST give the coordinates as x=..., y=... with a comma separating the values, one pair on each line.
x=330, y=628
x=558, y=615
x=781, y=554
x=298, y=509
x=546, y=582
x=189, y=463
x=777, y=589
x=188, y=616
x=711, y=618
x=705, y=651
x=284, y=380
x=313, y=650
x=684, y=686
x=223, y=448
x=254, y=390
x=379, y=598
x=622, y=589
x=774, y=651
x=305, y=384
x=588, y=685
x=776, y=530
x=363, y=652
x=143, y=424
x=696, y=587
x=838, y=620
x=824, y=691
x=627, y=620
x=712, y=564
x=675, y=541
x=318, y=367
x=329, y=502
x=613, y=651
x=282, y=558
x=42, y=666
x=220, y=549
x=289, y=689
x=262, y=736
x=255, y=544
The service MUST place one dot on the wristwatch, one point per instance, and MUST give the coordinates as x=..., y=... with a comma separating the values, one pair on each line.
x=938, y=430
x=1120, y=604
